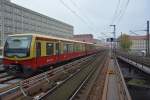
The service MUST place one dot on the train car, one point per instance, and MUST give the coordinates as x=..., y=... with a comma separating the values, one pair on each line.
x=1, y=49
x=1, y=56
x=28, y=53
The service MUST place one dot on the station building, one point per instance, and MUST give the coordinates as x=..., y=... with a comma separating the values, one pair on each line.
x=15, y=19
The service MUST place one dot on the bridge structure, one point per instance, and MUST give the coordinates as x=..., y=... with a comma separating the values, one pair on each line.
x=97, y=77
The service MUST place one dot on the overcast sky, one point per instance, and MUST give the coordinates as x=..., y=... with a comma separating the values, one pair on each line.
x=94, y=16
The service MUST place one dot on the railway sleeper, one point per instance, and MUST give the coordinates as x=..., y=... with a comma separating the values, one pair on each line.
x=45, y=85
x=82, y=76
x=83, y=93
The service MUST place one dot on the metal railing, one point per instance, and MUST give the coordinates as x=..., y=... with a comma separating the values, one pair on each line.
x=124, y=93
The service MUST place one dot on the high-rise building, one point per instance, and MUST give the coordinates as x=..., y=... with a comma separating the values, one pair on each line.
x=15, y=19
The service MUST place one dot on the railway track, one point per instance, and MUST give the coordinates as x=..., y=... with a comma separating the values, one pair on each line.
x=92, y=87
x=6, y=78
x=42, y=82
x=1, y=69
x=7, y=81
x=10, y=82
x=74, y=85
x=3, y=74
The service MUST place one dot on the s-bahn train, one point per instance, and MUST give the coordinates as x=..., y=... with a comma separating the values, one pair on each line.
x=28, y=53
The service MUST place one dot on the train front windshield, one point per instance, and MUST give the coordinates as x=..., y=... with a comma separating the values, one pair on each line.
x=17, y=46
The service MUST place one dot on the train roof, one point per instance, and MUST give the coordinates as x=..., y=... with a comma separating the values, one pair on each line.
x=52, y=37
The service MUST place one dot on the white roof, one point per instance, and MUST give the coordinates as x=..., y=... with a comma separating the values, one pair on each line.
x=50, y=37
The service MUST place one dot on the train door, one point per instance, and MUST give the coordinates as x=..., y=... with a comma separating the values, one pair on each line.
x=86, y=49
x=38, y=53
x=57, y=50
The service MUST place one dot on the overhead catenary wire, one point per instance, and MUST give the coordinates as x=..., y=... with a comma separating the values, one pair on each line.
x=123, y=12
x=77, y=15
x=120, y=11
x=81, y=11
x=87, y=18
x=72, y=11
x=133, y=32
x=116, y=11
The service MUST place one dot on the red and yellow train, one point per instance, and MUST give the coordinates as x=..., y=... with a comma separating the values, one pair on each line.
x=27, y=53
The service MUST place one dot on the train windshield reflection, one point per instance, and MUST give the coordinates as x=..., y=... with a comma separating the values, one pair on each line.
x=17, y=46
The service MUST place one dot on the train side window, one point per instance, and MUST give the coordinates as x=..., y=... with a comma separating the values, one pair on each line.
x=57, y=49
x=49, y=48
x=83, y=48
x=65, y=48
x=70, y=47
x=79, y=48
x=38, y=49
x=74, y=48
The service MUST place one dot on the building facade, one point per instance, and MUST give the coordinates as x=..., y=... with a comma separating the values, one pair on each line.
x=88, y=38
x=15, y=19
x=84, y=38
x=138, y=43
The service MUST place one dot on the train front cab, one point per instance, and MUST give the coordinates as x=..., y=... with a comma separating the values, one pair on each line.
x=18, y=54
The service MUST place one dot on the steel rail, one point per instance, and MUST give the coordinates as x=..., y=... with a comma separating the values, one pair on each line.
x=52, y=93
x=35, y=79
x=64, y=81
x=44, y=76
x=93, y=73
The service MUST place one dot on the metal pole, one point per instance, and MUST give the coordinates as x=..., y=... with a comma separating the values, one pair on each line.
x=115, y=40
x=114, y=33
x=120, y=41
x=1, y=23
x=148, y=38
